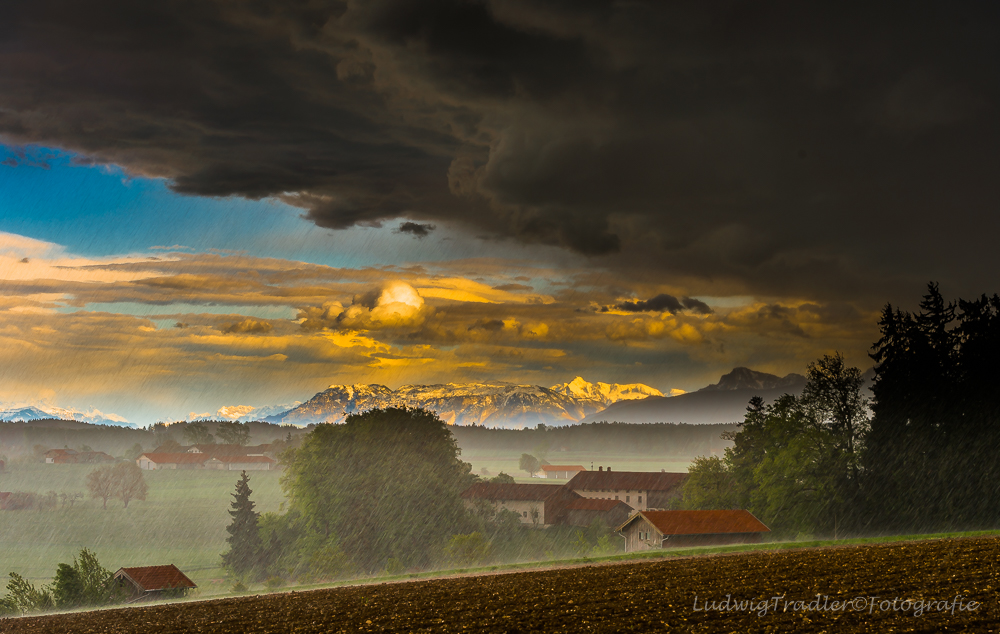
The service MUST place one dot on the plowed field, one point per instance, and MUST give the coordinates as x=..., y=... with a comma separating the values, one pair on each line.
x=649, y=596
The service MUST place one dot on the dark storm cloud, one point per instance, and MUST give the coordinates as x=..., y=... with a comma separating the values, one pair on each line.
x=664, y=302
x=832, y=150
x=415, y=229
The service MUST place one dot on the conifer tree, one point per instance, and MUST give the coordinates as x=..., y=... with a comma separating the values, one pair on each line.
x=244, y=539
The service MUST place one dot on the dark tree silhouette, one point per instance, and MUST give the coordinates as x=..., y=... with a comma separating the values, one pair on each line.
x=244, y=540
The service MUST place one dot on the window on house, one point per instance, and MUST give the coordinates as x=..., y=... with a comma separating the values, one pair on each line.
x=626, y=498
x=616, y=497
x=526, y=514
x=640, y=499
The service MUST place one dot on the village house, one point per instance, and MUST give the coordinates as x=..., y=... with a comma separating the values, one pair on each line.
x=54, y=456
x=535, y=504
x=561, y=472
x=71, y=456
x=150, y=583
x=671, y=529
x=584, y=512
x=241, y=463
x=641, y=490
x=155, y=461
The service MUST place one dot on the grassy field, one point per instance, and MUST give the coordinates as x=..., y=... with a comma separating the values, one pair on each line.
x=183, y=521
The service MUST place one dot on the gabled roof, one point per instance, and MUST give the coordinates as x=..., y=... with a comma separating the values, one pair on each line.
x=498, y=491
x=60, y=452
x=700, y=522
x=626, y=480
x=241, y=459
x=175, y=458
x=153, y=578
x=587, y=504
x=562, y=467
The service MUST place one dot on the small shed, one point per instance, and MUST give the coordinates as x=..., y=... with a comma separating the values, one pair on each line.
x=150, y=583
x=671, y=529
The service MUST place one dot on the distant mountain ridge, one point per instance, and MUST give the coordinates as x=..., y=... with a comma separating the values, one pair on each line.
x=12, y=412
x=488, y=403
x=747, y=379
x=722, y=402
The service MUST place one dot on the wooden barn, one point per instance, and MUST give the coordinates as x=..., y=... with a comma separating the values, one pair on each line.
x=150, y=583
x=672, y=529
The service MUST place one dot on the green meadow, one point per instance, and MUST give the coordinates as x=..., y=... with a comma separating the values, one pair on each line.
x=182, y=522
x=184, y=517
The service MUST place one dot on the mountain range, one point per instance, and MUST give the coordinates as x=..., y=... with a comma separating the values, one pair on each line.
x=498, y=404
x=20, y=412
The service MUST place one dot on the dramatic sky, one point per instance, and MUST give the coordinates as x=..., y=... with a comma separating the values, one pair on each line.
x=209, y=202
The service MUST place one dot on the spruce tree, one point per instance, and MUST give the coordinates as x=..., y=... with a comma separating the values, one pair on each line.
x=244, y=540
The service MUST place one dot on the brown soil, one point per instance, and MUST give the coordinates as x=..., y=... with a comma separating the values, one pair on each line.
x=632, y=597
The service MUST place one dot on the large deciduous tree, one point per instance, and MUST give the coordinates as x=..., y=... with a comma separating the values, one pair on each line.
x=101, y=484
x=383, y=485
x=129, y=483
x=233, y=433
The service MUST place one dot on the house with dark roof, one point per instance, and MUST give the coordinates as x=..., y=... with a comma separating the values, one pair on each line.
x=561, y=471
x=670, y=529
x=535, y=504
x=584, y=512
x=641, y=490
x=150, y=583
x=175, y=460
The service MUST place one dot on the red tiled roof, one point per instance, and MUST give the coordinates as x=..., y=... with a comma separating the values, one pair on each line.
x=585, y=504
x=241, y=459
x=626, y=481
x=176, y=458
x=562, y=467
x=701, y=522
x=152, y=578
x=498, y=491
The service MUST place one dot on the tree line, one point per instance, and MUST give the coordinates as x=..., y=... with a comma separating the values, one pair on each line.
x=916, y=456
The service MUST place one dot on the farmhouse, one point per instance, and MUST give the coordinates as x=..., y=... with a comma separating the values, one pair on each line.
x=561, y=472
x=538, y=504
x=54, y=456
x=671, y=529
x=71, y=456
x=152, y=582
x=584, y=512
x=156, y=461
x=241, y=463
x=641, y=490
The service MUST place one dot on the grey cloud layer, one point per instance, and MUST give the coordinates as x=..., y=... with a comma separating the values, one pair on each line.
x=781, y=150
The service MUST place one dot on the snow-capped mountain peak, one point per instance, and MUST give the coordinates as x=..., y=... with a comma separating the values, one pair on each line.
x=26, y=412
x=605, y=393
